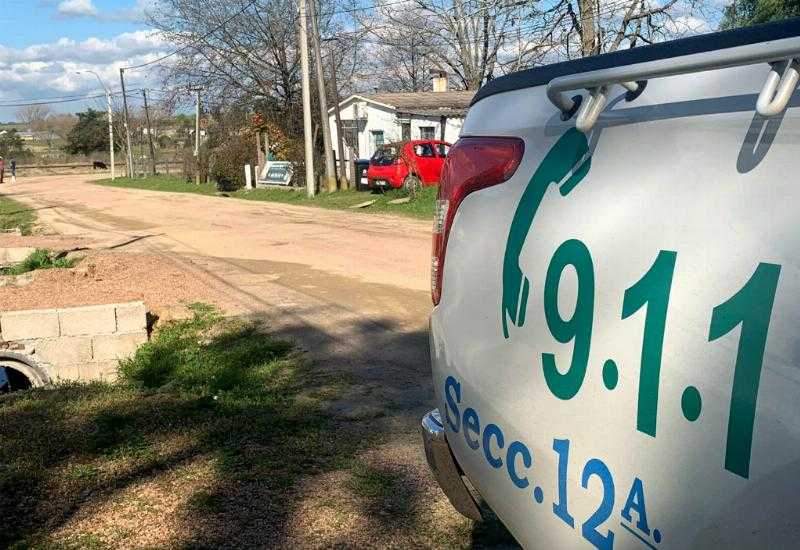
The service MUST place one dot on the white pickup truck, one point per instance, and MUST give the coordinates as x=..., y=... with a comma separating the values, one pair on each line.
x=616, y=279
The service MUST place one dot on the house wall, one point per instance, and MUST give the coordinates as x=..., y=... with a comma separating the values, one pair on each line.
x=384, y=118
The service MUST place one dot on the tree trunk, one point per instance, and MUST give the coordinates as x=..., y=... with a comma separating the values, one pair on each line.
x=588, y=29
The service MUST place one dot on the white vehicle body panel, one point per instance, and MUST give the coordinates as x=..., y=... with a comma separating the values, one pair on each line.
x=685, y=168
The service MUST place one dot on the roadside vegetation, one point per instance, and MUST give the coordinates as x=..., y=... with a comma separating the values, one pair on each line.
x=206, y=389
x=421, y=206
x=40, y=258
x=14, y=215
x=214, y=436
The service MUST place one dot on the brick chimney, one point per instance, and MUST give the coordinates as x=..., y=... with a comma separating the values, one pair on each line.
x=439, y=80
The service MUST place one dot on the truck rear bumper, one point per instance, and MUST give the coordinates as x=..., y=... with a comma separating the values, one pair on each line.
x=444, y=467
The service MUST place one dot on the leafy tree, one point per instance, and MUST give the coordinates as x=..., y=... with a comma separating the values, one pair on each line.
x=12, y=146
x=89, y=134
x=742, y=13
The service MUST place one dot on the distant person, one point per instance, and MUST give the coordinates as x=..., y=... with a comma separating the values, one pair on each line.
x=13, y=170
x=2, y=169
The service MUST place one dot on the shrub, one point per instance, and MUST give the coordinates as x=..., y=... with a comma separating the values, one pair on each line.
x=190, y=163
x=229, y=160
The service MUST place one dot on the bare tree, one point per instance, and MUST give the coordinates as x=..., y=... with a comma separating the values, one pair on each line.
x=402, y=60
x=462, y=37
x=236, y=51
x=591, y=27
x=34, y=116
x=61, y=124
x=475, y=40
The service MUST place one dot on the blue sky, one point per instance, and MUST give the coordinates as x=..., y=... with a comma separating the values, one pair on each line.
x=43, y=43
x=41, y=21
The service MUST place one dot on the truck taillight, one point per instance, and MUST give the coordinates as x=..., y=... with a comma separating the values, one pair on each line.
x=473, y=163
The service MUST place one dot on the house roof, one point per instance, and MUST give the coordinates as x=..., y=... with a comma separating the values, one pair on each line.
x=421, y=103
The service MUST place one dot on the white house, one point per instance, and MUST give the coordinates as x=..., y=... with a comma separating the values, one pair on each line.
x=369, y=120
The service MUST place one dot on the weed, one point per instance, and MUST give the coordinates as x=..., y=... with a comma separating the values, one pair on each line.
x=40, y=258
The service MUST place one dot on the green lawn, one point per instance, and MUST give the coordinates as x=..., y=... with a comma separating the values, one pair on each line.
x=420, y=207
x=15, y=214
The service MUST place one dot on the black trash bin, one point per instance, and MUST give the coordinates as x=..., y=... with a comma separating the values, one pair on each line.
x=362, y=165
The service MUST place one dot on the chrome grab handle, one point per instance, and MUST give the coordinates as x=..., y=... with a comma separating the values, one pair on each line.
x=762, y=52
x=591, y=108
x=778, y=89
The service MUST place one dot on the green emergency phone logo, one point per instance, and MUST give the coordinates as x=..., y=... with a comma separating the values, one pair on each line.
x=749, y=310
x=565, y=164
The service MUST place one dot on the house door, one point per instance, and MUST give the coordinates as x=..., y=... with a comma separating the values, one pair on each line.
x=405, y=131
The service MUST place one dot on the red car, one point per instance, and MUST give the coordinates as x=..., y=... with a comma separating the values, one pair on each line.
x=407, y=164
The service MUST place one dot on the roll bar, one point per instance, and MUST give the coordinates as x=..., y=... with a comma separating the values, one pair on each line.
x=783, y=56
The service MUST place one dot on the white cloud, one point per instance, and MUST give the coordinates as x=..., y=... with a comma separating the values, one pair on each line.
x=48, y=70
x=71, y=9
x=76, y=8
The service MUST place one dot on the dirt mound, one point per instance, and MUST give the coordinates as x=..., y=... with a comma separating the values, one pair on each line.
x=102, y=277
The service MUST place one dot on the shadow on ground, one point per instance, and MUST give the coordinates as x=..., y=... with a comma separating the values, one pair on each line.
x=235, y=441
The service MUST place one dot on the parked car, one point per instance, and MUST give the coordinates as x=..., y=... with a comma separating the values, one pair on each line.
x=407, y=164
x=616, y=280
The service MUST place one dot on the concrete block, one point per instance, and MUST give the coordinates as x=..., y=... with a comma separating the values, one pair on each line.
x=77, y=321
x=99, y=370
x=66, y=372
x=14, y=255
x=64, y=350
x=131, y=317
x=26, y=325
x=116, y=346
x=18, y=254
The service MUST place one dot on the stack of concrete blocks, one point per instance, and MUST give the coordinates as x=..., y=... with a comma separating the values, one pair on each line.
x=79, y=343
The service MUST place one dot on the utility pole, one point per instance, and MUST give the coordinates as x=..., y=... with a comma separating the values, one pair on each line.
x=197, y=136
x=110, y=133
x=110, y=120
x=339, y=138
x=309, y=146
x=330, y=171
x=149, y=133
x=127, y=127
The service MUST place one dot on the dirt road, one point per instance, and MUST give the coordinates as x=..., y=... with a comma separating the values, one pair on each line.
x=351, y=289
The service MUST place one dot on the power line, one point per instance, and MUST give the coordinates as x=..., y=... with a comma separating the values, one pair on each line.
x=187, y=46
x=55, y=102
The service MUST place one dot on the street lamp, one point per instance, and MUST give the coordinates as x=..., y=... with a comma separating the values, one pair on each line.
x=110, y=119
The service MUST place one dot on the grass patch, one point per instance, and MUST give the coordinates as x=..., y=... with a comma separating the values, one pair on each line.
x=14, y=215
x=204, y=387
x=373, y=483
x=422, y=206
x=40, y=258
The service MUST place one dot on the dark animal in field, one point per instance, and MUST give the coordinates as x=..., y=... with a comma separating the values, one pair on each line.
x=99, y=165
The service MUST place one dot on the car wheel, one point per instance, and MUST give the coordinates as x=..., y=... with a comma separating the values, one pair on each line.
x=411, y=184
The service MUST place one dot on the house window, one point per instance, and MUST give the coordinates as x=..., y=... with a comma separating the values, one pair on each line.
x=427, y=132
x=377, y=138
